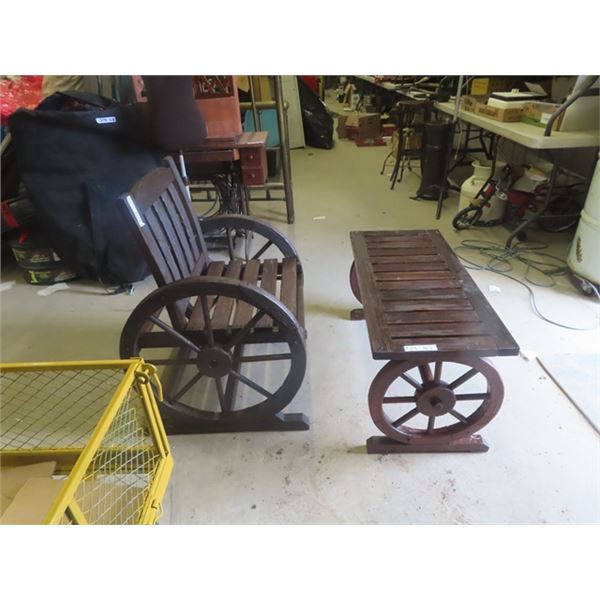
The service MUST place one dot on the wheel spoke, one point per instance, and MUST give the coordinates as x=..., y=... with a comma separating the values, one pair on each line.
x=463, y=378
x=409, y=415
x=186, y=387
x=250, y=383
x=262, y=250
x=174, y=333
x=266, y=357
x=458, y=416
x=247, y=242
x=425, y=371
x=399, y=400
x=230, y=244
x=411, y=380
x=478, y=396
x=437, y=376
x=431, y=424
x=207, y=327
x=222, y=398
x=241, y=334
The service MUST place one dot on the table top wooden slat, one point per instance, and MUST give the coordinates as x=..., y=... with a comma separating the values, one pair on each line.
x=420, y=302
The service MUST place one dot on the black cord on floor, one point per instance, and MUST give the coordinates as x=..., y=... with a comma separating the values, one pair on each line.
x=541, y=265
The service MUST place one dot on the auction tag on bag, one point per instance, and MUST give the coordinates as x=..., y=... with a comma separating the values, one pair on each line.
x=422, y=348
x=135, y=212
x=103, y=120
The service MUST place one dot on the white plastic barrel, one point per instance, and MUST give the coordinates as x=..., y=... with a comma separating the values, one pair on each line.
x=584, y=255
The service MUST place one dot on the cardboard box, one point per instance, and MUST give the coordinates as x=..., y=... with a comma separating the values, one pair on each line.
x=484, y=86
x=507, y=115
x=412, y=142
x=359, y=126
x=538, y=114
x=469, y=103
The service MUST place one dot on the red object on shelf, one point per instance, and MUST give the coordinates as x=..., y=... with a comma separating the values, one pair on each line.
x=24, y=92
x=311, y=82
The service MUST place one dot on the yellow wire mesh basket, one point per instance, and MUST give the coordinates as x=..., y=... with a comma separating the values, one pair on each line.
x=98, y=421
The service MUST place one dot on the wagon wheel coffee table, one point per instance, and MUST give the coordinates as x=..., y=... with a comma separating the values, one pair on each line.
x=427, y=317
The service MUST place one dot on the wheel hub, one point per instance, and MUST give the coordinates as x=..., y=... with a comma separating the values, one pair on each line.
x=214, y=362
x=436, y=400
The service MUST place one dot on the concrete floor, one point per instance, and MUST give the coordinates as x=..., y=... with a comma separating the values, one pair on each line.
x=544, y=461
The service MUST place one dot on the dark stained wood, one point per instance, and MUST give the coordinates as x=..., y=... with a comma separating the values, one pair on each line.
x=224, y=305
x=289, y=283
x=420, y=312
x=424, y=284
x=268, y=282
x=420, y=294
x=401, y=253
x=244, y=311
x=431, y=304
x=438, y=329
x=398, y=291
x=214, y=309
x=404, y=267
x=407, y=259
x=380, y=444
x=432, y=316
x=401, y=275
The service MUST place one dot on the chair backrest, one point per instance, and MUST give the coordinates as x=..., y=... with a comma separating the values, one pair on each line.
x=165, y=225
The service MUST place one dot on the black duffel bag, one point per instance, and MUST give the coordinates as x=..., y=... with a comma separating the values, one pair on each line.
x=76, y=153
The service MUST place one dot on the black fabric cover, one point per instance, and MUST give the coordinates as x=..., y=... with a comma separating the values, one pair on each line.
x=76, y=154
x=316, y=120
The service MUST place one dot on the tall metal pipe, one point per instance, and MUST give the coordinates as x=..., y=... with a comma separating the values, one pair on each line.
x=286, y=163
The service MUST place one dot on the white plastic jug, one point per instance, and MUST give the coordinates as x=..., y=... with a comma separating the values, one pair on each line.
x=468, y=190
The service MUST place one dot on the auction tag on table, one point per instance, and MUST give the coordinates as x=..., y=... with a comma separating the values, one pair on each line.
x=422, y=348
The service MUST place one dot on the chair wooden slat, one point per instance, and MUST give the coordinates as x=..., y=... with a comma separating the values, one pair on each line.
x=196, y=320
x=164, y=222
x=268, y=282
x=224, y=306
x=244, y=311
x=289, y=283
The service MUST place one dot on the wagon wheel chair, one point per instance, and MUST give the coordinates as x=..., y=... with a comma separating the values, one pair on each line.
x=207, y=312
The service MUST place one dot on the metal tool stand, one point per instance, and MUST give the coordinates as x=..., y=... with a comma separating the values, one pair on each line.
x=472, y=133
x=407, y=112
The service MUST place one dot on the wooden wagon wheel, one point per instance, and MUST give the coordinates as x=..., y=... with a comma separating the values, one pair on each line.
x=434, y=397
x=255, y=239
x=354, y=282
x=215, y=352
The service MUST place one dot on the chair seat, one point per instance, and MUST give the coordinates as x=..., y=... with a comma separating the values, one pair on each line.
x=277, y=277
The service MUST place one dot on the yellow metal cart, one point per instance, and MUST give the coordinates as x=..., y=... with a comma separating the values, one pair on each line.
x=97, y=424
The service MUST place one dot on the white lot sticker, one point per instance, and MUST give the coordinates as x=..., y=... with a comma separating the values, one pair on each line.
x=423, y=348
x=102, y=120
x=135, y=212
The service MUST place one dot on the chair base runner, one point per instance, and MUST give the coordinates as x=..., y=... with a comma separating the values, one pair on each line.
x=180, y=424
x=380, y=444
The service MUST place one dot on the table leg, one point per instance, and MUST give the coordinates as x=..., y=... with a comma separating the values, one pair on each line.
x=356, y=314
